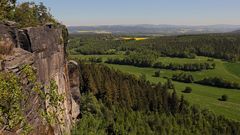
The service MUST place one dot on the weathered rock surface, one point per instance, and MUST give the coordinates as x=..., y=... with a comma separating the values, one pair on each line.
x=43, y=48
x=74, y=74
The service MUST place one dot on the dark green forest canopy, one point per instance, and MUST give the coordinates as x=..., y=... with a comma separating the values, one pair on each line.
x=123, y=99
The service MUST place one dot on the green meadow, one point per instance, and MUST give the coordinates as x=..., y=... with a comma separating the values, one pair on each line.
x=234, y=68
x=204, y=96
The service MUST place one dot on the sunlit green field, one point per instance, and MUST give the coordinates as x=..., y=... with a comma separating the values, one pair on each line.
x=220, y=70
x=234, y=68
x=205, y=96
x=232, y=73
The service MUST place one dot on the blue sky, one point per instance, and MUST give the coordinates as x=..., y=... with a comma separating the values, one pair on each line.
x=179, y=12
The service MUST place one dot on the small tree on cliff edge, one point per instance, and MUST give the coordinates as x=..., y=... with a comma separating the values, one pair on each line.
x=7, y=9
x=26, y=14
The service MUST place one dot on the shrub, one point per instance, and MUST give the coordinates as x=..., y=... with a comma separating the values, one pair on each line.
x=210, y=59
x=224, y=98
x=95, y=59
x=187, y=90
x=157, y=74
x=183, y=77
x=143, y=77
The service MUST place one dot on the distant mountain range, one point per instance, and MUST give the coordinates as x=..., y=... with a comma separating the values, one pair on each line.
x=154, y=29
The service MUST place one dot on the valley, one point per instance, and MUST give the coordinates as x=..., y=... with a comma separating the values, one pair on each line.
x=119, y=67
x=204, y=96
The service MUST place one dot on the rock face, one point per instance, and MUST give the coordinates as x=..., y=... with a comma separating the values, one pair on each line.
x=44, y=49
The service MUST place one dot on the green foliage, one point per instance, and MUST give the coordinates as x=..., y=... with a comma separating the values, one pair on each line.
x=201, y=119
x=210, y=94
x=54, y=101
x=186, y=66
x=26, y=14
x=219, y=82
x=7, y=9
x=11, y=99
x=139, y=59
x=95, y=59
x=187, y=90
x=29, y=72
x=143, y=77
x=183, y=77
x=14, y=100
x=92, y=121
x=170, y=84
x=89, y=104
x=157, y=73
x=30, y=14
x=52, y=96
x=125, y=90
x=223, y=46
x=115, y=108
x=119, y=120
x=224, y=98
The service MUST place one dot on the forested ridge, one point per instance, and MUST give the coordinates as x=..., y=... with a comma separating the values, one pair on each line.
x=222, y=46
x=118, y=103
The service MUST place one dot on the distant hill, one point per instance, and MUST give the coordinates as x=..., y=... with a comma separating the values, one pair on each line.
x=154, y=29
x=236, y=32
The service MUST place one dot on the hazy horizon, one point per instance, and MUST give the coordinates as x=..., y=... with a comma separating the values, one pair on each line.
x=152, y=24
x=134, y=12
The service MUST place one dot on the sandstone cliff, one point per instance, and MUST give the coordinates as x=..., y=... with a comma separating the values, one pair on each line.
x=43, y=48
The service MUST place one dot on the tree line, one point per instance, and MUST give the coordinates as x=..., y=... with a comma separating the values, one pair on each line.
x=139, y=59
x=186, y=66
x=210, y=81
x=183, y=77
x=148, y=60
x=219, y=82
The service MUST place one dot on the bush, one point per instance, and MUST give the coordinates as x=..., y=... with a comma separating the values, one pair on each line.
x=224, y=98
x=157, y=74
x=187, y=90
x=95, y=59
x=183, y=77
x=143, y=77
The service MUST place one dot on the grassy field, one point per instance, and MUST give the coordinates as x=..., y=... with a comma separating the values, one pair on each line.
x=219, y=71
x=234, y=68
x=205, y=96
x=223, y=69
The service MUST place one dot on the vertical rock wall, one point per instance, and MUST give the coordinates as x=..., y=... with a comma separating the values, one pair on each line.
x=44, y=49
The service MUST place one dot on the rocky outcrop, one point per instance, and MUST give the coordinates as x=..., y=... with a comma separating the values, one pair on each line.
x=44, y=49
x=74, y=74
